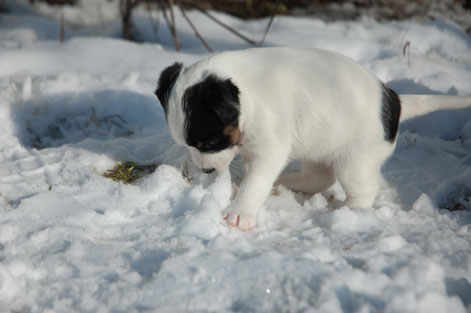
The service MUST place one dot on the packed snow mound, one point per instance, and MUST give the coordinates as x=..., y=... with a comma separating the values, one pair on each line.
x=72, y=240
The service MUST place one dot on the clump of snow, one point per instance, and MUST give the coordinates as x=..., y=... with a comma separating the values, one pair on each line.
x=72, y=240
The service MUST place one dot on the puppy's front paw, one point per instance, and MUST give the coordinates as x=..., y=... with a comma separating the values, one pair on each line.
x=242, y=219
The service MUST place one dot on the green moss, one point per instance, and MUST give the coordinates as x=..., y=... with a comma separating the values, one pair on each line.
x=128, y=172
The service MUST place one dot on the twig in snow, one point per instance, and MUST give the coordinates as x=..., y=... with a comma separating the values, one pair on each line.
x=269, y=23
x=155, y=26
x=169, y=25
x=62, y=35
x=232, y=30
x=122, y=125
x=109, y=117
x=173, y=27
x=125, y=9
x=406, y=49
x=197, y=34
x=164, y=13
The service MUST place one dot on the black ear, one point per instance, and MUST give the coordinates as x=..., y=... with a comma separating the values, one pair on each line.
x=222, y=96
x=166, y=81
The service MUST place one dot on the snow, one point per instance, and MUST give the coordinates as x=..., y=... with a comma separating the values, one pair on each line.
x=72, y=240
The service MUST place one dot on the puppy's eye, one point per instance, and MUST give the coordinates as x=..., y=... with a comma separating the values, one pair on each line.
x=208, y=145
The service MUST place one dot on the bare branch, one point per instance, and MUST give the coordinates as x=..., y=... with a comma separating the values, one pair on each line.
x=125, y=8
x=169, y=24
x=164, y=13
x=232, y=30
x=62, y=34
x=406, y=49
x=155, y=26
x=197, y=34
x=173, y=28
x=272, y=17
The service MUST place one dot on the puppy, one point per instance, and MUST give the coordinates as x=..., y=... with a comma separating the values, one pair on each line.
x=273, y=105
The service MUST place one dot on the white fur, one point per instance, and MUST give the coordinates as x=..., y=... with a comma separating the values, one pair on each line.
x=307, y=104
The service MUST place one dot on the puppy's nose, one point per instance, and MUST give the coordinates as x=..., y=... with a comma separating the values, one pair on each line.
x=208, y=170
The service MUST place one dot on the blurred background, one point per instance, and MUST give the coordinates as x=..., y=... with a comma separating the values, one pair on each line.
x=161, y=12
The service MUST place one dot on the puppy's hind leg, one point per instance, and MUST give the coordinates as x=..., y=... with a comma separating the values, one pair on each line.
x=313, y=178
x=360, y=177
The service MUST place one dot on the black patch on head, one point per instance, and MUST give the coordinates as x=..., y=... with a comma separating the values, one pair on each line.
x=166, y=81
x=390, y=113
x=211, y=106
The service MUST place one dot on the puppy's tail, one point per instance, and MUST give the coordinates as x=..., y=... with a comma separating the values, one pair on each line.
x=416, y=105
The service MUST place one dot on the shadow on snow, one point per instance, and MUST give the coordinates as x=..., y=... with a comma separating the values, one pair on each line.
x=432, y=154
x=117, y=123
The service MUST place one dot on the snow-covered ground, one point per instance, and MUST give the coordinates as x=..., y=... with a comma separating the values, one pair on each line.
x=72, y=240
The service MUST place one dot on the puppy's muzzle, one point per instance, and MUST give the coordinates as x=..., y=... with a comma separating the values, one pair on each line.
x=208, y=170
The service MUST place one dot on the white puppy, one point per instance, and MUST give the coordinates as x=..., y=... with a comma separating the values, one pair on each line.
x=274, y=105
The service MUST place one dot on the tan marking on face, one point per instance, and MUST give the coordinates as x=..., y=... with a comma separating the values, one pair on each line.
x=233, y=133
x=199, y=145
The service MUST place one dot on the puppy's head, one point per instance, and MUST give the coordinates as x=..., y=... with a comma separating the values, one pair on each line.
x=201, y=114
